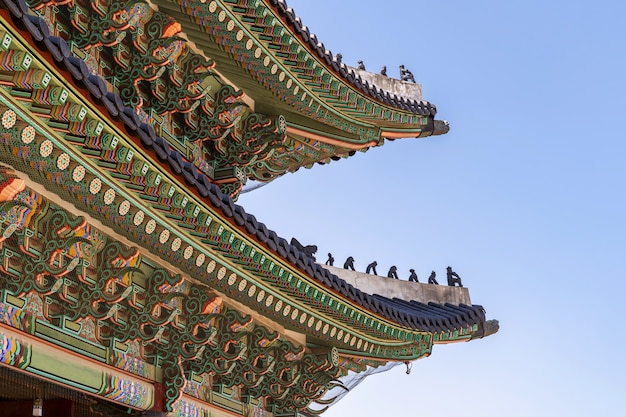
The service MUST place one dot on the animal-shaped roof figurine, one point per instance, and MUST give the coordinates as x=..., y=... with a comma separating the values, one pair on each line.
x=406, y=75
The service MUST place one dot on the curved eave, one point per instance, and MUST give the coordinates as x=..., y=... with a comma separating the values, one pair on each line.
x=266, y=49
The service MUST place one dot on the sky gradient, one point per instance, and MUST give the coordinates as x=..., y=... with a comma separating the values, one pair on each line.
x=524, y=197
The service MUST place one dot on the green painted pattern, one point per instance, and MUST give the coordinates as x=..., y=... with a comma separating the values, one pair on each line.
x=141, y=55
x=156, y=233
x=86, y=183
x=282, y=62
x=183, y=327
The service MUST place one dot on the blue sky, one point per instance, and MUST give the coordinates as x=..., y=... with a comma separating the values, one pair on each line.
x=524, y=198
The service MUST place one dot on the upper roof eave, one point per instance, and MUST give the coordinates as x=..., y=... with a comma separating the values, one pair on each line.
x=388, y=108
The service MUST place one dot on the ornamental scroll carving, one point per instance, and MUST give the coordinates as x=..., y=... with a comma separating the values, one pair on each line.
x=77, y=274
x=144, y=58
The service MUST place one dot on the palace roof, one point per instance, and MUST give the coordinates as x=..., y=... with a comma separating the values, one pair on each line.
x=431, y=317
x=118, y=128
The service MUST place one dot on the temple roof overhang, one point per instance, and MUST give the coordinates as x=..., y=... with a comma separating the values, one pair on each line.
x=263, y=46
x=64, y=130
x=276, y=60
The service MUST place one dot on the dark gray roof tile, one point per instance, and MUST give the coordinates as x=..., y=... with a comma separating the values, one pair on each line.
x=18, y=8
x=57, y=47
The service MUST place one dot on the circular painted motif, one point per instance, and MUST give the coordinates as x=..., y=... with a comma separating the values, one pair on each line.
x=212, y=7
x=28, y=134
x=251, y=291
x=257, y=53
x=109, y=196
x=211, y=266
x=164, y=236
x=239, y=35
x=274, y=69
x=124, y=208
x=230, y=25
x=326, y=327
x=294, y=314
x=332, y=332
x=282, y=124
x=303, y=96
x=281, y=77
x=339, y=334
x=296, y=89
x=311, y=321
x=359, y=343
x=176, y=244
x=269, y=300
x=232, y=278
x=78, y=174
x=138, y=218
x=352, y=341
x=200, y=259
x=221, y=16
x=365, y=345
x=242, y=285
x=150, y=226
x=289, y=83
x=249, y=44
x=45, y=149
x=334, y=355
x=279, y=305
x=221, y=273
x=260, y=296
x=188, y=252
x=266, y=61
x=8, y=119
x=63, y=161
x=286, y=310
x=95, y=185
x=318, y=325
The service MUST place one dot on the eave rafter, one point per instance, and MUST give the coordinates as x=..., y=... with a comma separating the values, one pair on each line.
x=256, y=36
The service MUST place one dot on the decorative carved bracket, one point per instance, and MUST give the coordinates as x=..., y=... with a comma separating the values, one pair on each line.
x=184, y=328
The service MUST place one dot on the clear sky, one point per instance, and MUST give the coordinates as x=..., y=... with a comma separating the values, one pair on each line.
x=525, y=198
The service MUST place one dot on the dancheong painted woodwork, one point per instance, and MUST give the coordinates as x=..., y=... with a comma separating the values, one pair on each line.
x=130, y=281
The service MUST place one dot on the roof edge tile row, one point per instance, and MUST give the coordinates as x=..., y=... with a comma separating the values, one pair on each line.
x=420, y=107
